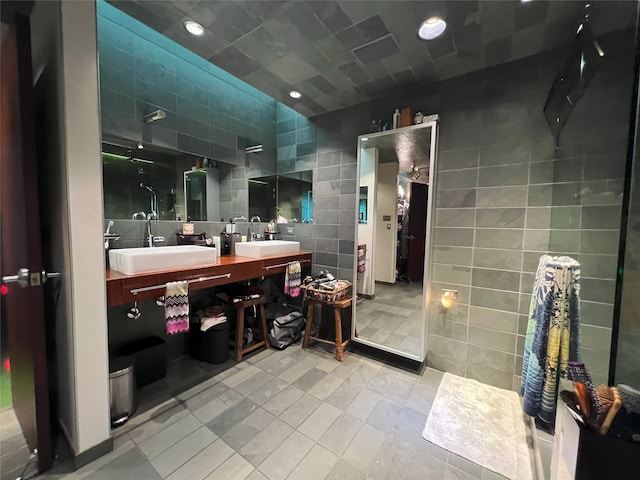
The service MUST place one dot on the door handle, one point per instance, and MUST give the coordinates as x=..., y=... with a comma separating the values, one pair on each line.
x=24, y=278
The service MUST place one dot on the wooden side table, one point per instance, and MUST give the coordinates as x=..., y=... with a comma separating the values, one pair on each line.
x=338, y=307
x=240, y=308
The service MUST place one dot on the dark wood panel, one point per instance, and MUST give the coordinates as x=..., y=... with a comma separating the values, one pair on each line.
x=119, y=285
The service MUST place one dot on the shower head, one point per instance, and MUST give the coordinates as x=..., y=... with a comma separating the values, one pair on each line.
x=153, y=116
x=142, y=185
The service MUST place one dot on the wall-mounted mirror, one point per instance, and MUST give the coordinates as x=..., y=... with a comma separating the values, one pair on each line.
x=202, y=194
x=396, y=172
x=292, y=193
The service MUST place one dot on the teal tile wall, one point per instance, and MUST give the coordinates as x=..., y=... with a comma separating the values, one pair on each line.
x=207, y=109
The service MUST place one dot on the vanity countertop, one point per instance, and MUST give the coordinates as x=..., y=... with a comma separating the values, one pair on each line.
x=227, y=269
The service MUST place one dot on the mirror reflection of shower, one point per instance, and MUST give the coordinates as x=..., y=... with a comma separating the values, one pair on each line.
x=154, y=201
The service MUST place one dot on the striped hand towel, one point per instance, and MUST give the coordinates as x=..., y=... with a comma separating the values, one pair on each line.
x=176, y=307
x=292, y=279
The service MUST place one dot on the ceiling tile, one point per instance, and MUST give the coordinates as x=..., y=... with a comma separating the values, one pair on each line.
x=356, y=10
x=377, y=49
x=350, y=37
x=372, y=27
x=354, y=72
x=301, y=15
x=322, y=84
x=527, y=42
x=233, y=60
x=184, y=5
x=497, y=19
x=404, y=77
x=155, y=14
x=331, y=14
x=441, y=47
x=262, y=10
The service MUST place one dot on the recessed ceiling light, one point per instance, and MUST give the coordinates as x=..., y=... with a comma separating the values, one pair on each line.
x=194, y=28
x=140, y=146
x=431, y=28
x=364, y=139
x=295, y=94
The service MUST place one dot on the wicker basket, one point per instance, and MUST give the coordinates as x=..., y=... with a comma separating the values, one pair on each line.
x=328, y=296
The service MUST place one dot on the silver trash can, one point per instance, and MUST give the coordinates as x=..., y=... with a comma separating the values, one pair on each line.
x=122, y=389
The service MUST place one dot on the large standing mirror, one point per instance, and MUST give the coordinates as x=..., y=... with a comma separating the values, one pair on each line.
x=394, y=223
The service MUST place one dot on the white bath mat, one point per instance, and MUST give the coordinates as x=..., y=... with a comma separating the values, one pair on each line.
x=481, y=423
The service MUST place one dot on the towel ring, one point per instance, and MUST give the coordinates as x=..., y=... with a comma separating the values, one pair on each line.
x=134, y=312
x=160, y=301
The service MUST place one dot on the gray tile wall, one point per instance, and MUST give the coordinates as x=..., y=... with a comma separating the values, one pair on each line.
x=505, y=196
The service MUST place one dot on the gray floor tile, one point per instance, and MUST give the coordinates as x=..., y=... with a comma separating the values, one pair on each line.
x=255, y=475
x=300, y=369
x=241, y=376
x=344, y=395
x=218, y=405
x=453, y=473
x=326, y=386
x=283, y=400
x=169, y=436
x=489, y=475
x=340, y=434
x=364, y=447
x=300, y=410
x=131, y=464
x=316, y=465
x=363, y=404
x=384, y=416
x=286, y=457
x=205, y=462
x=319, y=421
x=234, y=468
x=268, y=391
x=157, y=424
x=421, y=398
x=177, y=455
x=310, y=379
x=265, y=442
x=467, y=466
x=343, y=470
x=253, y=383
x=232, y=416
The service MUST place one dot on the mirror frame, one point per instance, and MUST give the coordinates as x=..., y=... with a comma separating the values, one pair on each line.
x=431, y=121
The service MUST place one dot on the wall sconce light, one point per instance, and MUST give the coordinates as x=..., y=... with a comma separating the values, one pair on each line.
x=448, y=298
x=153, y=116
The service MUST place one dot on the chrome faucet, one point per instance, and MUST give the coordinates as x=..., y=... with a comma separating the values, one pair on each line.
x=153, y=239
x=241, y=217
x=255, y=236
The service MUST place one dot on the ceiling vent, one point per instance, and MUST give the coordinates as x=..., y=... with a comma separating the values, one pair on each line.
x=377, y=49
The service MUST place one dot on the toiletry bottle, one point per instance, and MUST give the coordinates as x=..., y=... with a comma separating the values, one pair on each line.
x=396, y=118
x=229, y=227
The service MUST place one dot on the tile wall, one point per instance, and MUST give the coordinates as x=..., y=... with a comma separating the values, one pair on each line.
x=208, y=111
x=505, y=196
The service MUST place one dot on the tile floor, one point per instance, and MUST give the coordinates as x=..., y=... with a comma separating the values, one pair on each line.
x=392, y=318
x=14, y=453
x=295, y=414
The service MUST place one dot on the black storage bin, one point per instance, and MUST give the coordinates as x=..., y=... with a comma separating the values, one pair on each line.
x=211, y=346
x=603, y=456
x=150, y=359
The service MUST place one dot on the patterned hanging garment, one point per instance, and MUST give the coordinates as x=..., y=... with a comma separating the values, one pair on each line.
x=176, y=307
x=292, y=279
x=552, y=334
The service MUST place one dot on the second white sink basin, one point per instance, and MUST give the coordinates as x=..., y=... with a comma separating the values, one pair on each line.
x=266, y=248
x=141, y=260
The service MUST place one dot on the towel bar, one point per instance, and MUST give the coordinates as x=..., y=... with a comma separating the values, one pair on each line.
x=284, y=264
x=135, y=291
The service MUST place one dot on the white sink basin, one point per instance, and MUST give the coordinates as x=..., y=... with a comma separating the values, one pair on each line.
x=266, y=248
x=141, y=260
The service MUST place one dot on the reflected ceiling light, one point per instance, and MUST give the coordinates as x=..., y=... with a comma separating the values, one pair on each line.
x=194, y=28
x=431, y=28
x=364, y=139
x=140, y=146
x=295, y=94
